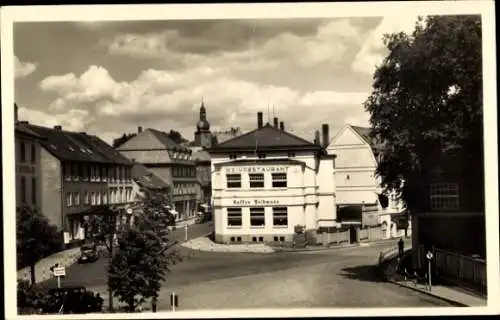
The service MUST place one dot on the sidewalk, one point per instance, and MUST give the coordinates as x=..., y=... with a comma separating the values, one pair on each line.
x=456, y=297
x=452, y=296
x=42, y=269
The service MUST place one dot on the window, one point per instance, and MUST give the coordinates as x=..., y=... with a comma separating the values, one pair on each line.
x=261, y=155
x=33, y=190
x=69, y=199
x=85, y=172
x=86, y=198
x=97, y=173
x=23, y=189
x=279, y=180
x=280, y=216
x=444, y=196
x=234, y=217
x=98, y=198
x=105, y=197
x=256, y=180
x=233, y=180
x=92, y=173
x=76, y=197
x=74, y=171
x=112, y=196
x=67, y=172
x=93, y=199
x=23, y=152
x=257, y=217
x=33, y=153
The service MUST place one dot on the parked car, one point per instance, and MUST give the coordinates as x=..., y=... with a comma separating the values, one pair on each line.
x=89, y=253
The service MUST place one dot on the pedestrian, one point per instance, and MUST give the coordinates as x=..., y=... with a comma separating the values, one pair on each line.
x=401, y=247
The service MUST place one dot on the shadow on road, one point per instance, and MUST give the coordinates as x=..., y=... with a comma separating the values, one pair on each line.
x=367, y=273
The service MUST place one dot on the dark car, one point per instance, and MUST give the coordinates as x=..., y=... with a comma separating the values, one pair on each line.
x=89, y=253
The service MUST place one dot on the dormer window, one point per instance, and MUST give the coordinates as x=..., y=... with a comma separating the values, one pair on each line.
x=261, y=155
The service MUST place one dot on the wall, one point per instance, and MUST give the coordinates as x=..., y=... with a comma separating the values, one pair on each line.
x=29, y=170
x=327, y=208
x=51, y=188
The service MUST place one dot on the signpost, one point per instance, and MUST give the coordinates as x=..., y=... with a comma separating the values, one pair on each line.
x=186, y=231
x=174, y=301
x=429, y=257
x=58, y=272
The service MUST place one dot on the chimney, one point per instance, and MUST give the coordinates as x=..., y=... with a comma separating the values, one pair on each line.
x=260, y=120
x=16, y=117
x=316, y=137
x=57, y=128
x=139, y=129
x=326, y=135
x=282, y=126
x=275, y=122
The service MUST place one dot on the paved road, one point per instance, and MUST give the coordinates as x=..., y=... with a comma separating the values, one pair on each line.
x=213, y=280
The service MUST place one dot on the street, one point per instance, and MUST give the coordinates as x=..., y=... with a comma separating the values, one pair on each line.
x=211, y=280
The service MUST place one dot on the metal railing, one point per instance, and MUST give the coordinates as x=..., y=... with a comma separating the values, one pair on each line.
x=459, y=268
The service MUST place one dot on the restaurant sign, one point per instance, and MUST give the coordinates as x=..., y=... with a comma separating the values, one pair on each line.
x=256, y=169
x=255, y=202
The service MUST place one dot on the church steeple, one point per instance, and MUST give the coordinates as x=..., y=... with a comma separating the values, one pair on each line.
x=203, y=124
x=203, y=136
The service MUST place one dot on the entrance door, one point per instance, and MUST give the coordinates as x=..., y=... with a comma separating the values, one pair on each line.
x=353, y=235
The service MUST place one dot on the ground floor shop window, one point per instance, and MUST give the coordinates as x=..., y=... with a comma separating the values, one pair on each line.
x=234, y=217
x=280, y=216
x=257, y=217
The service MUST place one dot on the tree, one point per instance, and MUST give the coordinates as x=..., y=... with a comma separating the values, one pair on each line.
x=426, y=102
x=176, y=137
x=145, y=253
x=121, y=140
x=101, y=227
x=36, y=238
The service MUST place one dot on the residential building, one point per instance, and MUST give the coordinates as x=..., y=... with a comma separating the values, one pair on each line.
x=28, y=182
x=204, y=175
x=79, y=173
x=358, y=187
x=268, y=181
x=169, y=161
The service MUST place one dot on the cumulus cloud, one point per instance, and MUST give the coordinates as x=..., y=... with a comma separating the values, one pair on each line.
x=175, y=96
x=373, y=50
x=23, y=68
x=73, y=120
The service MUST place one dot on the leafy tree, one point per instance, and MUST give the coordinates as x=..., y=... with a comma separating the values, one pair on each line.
x=426, y=102
x=101, y=227
x=36, y=238
x=121, y=140
x=145, y=253
x=176, y=136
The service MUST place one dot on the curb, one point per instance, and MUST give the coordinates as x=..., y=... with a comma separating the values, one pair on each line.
x=450, y=301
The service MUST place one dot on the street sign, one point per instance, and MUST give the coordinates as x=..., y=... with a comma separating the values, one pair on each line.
x=429, y=255
x=59, y=272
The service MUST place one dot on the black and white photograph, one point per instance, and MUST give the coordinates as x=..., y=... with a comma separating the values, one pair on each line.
x=245, y=159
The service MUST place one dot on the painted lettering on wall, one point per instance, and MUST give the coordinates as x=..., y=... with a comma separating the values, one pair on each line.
x=255, y=202
x=254, y=169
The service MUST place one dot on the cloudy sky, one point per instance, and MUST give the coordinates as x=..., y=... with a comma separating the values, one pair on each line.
x=110, y=77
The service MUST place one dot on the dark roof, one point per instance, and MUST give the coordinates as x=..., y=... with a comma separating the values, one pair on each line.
x=146, y=178
x=365, y=135
x=21, y=127
x=77, y=146
x=267, y=138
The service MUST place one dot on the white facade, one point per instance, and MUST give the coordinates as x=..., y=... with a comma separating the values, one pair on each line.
x=303, y=194
x=356, y=180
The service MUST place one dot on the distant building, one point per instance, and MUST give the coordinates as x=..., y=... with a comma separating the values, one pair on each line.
x=28, y=175
x=223, y=136
x=357, y=185
x=169, y=161
x=266, y=182
x=78, y=173
x=203, y=136
x=203, y=174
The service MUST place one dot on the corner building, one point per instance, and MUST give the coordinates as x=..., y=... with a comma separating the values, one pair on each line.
x=266, y=182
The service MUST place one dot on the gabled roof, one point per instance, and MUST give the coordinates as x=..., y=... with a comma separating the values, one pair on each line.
x=151, y=139
x=364, y=133
x=266, y=138
x=146, y=179
x=77, y=146
x=22, y=128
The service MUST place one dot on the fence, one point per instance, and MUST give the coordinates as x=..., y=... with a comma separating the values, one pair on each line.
x=462, y=269
x=334, y=237
x=371, y=234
